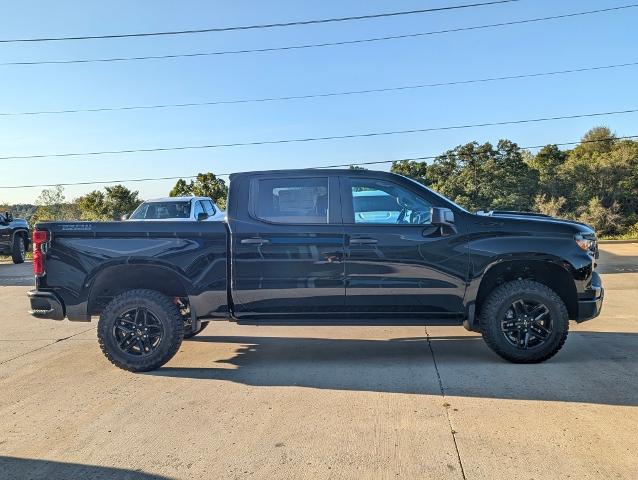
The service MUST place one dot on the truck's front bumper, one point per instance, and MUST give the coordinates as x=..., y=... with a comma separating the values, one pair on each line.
x=590, y=308
x=46, y=305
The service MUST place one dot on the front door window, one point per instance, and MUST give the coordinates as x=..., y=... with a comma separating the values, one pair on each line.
x=380, y=202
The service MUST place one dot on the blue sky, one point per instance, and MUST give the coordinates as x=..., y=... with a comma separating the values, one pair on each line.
x=601, y=39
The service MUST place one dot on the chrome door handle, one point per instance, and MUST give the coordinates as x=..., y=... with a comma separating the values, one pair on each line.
x=363, y=241
x=254, y=241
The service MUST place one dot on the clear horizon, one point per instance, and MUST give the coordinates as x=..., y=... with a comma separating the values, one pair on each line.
x=587, y=41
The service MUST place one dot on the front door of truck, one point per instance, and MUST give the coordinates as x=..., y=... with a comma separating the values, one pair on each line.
x=287, y=254
x=397, y=261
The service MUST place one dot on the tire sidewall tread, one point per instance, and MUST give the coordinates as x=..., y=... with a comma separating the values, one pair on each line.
x=16, y=255
x=501, y=298
x=165, y=311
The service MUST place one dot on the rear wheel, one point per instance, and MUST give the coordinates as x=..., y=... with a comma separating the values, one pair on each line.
x=140, y=330
x=524, y=321
x=18, y=249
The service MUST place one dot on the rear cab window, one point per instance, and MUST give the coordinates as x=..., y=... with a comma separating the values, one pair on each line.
x=291, y=200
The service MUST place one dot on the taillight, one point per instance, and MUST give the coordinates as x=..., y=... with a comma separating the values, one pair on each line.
x=39, y=238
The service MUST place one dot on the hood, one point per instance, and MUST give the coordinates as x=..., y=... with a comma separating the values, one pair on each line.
x=539, y=219
x=19, y=222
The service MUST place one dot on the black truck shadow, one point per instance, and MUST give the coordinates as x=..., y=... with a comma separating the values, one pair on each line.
x=599, y=368
x=13, y=468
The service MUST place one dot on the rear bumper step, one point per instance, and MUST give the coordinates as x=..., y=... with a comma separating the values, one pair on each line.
x=46, y=305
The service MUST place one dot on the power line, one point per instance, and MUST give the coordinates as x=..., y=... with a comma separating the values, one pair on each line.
x=315, y=139
x=255, y=27
x=322, y=95
x=430, y=157
x=317, y=45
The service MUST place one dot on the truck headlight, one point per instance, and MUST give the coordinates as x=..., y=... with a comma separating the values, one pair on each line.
x=586, y=242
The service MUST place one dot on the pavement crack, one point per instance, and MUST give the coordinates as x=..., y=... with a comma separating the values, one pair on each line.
x=446, y=405
x=57, y=340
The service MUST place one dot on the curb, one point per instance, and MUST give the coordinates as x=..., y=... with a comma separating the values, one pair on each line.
x=635, y=240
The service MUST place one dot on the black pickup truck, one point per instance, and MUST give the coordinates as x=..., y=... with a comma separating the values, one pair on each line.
x=320, y=246
x=14, y=237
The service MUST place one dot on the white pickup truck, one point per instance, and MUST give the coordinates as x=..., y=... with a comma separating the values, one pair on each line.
x=185, y=209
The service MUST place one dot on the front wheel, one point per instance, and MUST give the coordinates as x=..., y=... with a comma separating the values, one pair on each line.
x=524, y=321
x=18, y=249
x=140, y=330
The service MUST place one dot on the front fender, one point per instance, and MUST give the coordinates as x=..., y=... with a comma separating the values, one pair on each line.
x=560, y=252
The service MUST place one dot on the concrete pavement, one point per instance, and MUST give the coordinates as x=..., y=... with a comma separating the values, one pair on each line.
x=322, y=402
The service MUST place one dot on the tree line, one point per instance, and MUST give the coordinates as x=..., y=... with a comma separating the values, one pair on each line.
x=595, y=182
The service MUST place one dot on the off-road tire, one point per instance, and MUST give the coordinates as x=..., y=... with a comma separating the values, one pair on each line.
x=18, y=249
x=188, y=333
x=496, y=306
x=162, y=309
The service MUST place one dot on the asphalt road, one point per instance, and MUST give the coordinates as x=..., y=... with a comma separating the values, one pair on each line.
x=322, y=402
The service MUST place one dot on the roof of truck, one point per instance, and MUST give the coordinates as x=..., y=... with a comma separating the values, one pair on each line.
x=312, y=171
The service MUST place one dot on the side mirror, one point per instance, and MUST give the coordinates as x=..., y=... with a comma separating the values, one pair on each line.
x=124, y=217
x=442, y=216
x=202, y=216
x=8, y=216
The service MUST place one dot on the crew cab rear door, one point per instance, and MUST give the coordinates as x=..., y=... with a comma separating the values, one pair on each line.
x=288, y=247
x=396, y=260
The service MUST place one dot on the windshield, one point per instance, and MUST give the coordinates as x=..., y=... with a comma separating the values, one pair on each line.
x=162, y=210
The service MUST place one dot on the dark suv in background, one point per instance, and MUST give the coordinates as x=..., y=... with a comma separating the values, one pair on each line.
x=14, y=237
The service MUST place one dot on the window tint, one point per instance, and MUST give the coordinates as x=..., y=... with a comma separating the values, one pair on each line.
x=382, y=202
x=293, y=200
x=209, y=208
x=161, y=210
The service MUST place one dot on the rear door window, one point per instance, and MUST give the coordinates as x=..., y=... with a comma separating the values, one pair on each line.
x=292, y=200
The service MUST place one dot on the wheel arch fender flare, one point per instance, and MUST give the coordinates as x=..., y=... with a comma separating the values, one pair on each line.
x=131, y=274
x=550, y=270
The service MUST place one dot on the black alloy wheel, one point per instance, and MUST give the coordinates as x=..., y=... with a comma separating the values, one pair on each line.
x=138, y=332
x=524, y=321
x=527, y=324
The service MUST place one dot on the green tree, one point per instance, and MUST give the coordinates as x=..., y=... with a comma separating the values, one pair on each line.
x=111, y=204
x=605, y=220
x=484, y=177
x=181, y=189
x=52, y=206
x=204, y=185
x=597, y=139
x=607, y=172
x=412, y=169
x=547, y=162
x=552, y=206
